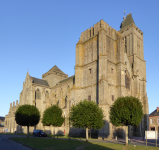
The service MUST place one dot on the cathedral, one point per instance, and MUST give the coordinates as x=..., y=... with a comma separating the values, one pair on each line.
x=109, y=64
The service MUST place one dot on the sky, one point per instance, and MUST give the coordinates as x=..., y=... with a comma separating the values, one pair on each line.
x=35, y=35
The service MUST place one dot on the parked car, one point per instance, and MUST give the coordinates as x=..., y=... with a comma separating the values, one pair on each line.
x=39, y=133
x=34, y=131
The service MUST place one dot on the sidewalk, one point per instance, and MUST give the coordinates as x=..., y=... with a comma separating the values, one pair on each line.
x=134, y=141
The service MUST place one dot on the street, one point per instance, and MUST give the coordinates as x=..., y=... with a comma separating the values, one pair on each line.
x=6, y=144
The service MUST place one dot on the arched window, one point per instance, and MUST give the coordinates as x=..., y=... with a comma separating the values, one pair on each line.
x=47, y=96
x=66, y=102
x=37, y=94
x=125, y=44
x=127, y=80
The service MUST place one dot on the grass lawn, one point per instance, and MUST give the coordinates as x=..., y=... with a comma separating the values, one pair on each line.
x=57, y=144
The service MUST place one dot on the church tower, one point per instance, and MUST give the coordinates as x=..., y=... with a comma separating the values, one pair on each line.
x=110, y=64
x=133, y=47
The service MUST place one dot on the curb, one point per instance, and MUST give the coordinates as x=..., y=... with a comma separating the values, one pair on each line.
x=24, y=145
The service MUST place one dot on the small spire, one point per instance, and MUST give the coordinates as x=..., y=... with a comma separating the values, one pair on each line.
x=27, y=72
x=124, y=15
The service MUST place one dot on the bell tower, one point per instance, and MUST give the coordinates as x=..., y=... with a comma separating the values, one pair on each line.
x=133, y=47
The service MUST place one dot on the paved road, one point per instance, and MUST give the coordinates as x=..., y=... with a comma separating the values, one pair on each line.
x=6, y=144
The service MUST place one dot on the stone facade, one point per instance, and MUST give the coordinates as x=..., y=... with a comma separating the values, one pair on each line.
x=109, y=64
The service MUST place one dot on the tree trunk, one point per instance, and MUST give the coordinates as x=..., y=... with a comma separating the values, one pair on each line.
x=87, y=134
x=126, y=135
x=90, y=133
x=54, y=132
x=28, y=131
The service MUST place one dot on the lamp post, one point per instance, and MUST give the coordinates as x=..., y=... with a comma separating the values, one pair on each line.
x=69, y=117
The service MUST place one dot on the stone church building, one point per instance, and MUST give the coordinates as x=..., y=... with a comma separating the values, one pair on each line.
x=109, y=64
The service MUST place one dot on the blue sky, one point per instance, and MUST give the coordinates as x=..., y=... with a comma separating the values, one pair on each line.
x=37, y=34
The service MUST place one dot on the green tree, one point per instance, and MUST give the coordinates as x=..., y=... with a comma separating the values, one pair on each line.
x=27, y=115
x=126, y=111
x=53, y=116
x=87, y=114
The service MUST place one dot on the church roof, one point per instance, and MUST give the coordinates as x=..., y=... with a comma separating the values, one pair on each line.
x=39, y=81
x=69, y=78
x=2, y=118
x=154, y=113
x=127, y=21
x=54, y=69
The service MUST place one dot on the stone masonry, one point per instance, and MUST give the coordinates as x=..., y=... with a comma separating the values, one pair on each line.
x=109, y=64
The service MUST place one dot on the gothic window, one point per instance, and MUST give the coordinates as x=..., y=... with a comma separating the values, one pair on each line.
x=66, y=102
x=127, y=80
x=158, y=120
x=58, y=103
x=125, y=44
x=37, y=94
x=90, y=71
x=112, y=97
x=47, y=96
x=89, y=98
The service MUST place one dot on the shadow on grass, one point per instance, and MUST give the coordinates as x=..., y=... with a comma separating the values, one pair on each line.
x=55, y=144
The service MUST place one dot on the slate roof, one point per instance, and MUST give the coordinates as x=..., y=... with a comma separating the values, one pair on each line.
x=154, y=113
x=128, y=20
x=64, y=80
x=2, y=118
x=39, y=81
x=54, y=69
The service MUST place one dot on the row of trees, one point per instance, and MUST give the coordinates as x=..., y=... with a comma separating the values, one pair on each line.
x=86, y=114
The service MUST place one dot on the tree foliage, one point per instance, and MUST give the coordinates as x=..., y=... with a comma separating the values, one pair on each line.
x=27, y=115
x=126, y=111
x=87, y=114
x=53, y=116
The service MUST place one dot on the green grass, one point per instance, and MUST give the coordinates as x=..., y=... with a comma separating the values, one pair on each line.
x=55, y=144
x=66, y=136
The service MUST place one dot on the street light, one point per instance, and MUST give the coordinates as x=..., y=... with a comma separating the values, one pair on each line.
x=69, y=114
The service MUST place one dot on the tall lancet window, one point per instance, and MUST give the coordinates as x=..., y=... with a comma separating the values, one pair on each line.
x=37, y=94
x=125, y=44
x=66, y=102
x=127, y=80
x=47, y=96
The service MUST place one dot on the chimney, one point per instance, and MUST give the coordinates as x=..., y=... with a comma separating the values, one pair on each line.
x=157, y=109
x=10, y=105
x=13, y=104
